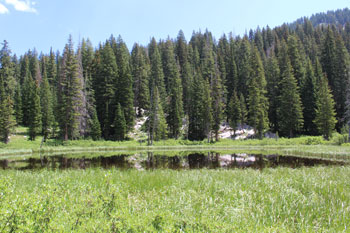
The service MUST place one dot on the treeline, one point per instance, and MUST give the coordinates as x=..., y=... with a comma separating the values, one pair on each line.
x=290, y=80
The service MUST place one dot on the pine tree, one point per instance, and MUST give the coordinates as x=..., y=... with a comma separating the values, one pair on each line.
x=46, y=105
x=231, y=70
x=290, y=108
x=161, y=132
x=234, y=112
x=175, y=107
x=7, y=70
x=34, y=111
x=308, y=97
x=104, y=80
x=328, y=56
x=18, y=104
x=119, y=124
x=325, y=112
x=272, y=72
x=243, y=110
x=211, y=73
x=7, y=121
x=257, y=100
x=181, y=53
x=95, y=128
x=34, y=66
x=200, y=110
x=52, y=70
x=140, y=72
x=87, y=57
x=341, y=78
x=26, y=98
x=243, y=65
x=156, y=71
x=124, y=93
x=296, y=59
x=70, y=93
x=93, y=124
x=7, y=91
x=157, y=126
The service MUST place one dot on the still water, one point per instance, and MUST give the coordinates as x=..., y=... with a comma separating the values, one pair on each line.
x=149, y=160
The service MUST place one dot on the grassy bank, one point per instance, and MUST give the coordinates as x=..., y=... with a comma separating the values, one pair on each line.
x=305, y=146
x=93, y=200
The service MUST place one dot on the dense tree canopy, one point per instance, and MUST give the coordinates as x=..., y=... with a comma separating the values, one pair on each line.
x=270, y=79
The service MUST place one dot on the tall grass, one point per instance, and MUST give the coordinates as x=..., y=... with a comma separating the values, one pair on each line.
x=94, y=200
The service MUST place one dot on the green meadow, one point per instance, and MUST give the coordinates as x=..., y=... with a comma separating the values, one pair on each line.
x=95, y=200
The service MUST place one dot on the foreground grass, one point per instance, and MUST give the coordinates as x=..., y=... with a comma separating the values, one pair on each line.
x=93, y=200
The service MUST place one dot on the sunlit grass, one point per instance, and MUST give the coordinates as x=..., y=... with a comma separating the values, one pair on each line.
x=284, y=200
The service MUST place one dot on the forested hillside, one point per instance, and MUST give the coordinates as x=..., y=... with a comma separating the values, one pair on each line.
x=293, y=79
x=339, y=17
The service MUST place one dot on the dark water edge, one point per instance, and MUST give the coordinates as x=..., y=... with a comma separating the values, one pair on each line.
x=148, y=160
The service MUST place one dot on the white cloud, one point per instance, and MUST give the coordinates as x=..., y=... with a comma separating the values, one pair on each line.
x=20, y=5
x=3, y=9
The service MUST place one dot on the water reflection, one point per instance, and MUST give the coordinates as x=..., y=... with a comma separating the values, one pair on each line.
x=149, y=160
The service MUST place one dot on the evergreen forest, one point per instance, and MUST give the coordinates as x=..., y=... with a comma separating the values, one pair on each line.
x=290, y=80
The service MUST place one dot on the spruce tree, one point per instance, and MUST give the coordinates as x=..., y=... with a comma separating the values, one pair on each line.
x=243, y=110
x=157, y=126
x=156, y=71
x=234, y=112
x=87, y=57
x=181, y=53
x=341, y=78
x=328, y=56
x=296, y=59
x=104, y=80
x=34, y=66
x=200, y=108
x=290, y=113
x=70, y=94
x=257, y=100
x=231, y=70
x=26, y=98
x=140, y=72
x=93, y=124
x=175, y=107
x=18, y=104
x=119, y=124
x=51, y=70
x=35, y=118
x=325, y=112
x=124, y=93
x=308, y=97
x=95, y=128
x=243, y=65
x=211, y=73
x=7, y=70
x=46, y=106
x=272, y=72
x=7, y=121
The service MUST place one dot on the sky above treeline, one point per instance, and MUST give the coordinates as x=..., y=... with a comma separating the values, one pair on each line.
x=41, y=24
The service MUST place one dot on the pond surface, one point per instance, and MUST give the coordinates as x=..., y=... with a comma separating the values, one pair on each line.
x=149, y=160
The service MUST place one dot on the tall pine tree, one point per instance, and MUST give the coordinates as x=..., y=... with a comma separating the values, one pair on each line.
x=290, y=107
x=46, y=105
x=70, y=93
x=325, y=112
x=257, y=100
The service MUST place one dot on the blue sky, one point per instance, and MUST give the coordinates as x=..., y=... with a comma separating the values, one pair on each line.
x=42, y=24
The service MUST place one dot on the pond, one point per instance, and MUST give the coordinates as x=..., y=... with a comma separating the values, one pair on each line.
x=150, y=160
